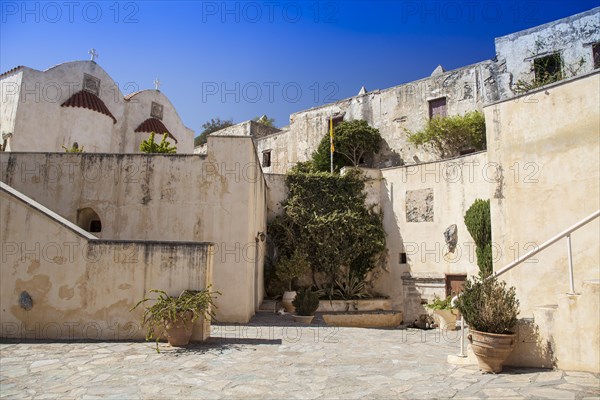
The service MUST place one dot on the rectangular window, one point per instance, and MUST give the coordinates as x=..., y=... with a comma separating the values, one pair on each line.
x=548, y=69
x=266, y=161
x=438, y=108
x=596, y=55
x=403, y=258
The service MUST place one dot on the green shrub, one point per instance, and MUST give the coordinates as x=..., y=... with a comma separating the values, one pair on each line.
x=306, y=302
x=448, y=136
x=74, y=149
x=150, y=146
x=488, y=305
x=440, y=304
x=479, y=225
x=167, y=308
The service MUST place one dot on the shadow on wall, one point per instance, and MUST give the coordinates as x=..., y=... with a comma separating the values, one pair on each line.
x=532, y=348
x=390, y=282
x=387, y=157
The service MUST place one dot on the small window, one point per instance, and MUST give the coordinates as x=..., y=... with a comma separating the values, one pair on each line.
x=596, y=55
x=438, y=108
x=548, y=69
x=266, y=161
x=403, y=258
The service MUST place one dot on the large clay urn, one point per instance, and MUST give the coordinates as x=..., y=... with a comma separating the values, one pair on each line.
x=491, y=349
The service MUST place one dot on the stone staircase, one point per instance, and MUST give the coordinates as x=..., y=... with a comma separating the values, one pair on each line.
x=269, y=306
x=565, y=335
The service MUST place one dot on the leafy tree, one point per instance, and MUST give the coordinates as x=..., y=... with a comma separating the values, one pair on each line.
x=265, y=120
x=449, y=135
x=150, y=146
x=326, y=219
x=352, y=141
x=215, y=124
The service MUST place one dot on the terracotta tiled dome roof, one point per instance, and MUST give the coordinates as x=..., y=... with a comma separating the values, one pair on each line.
x=156, y=126
x=85, y=99
x=130, y=95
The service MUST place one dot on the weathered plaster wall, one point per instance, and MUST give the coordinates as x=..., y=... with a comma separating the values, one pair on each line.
x=83, y=288
x=572, y=37
x=276, y=194
x=43, y=125
x=220, y=198
x=452, y=185
x=9, y=99
x=548, y=172
x=247, y=128
x=391, y=111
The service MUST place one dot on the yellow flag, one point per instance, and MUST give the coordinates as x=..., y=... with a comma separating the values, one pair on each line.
x=331, y=133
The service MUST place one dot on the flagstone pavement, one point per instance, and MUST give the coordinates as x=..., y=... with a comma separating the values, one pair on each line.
x=274, y=358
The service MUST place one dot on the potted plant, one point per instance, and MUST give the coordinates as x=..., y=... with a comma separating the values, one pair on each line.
x=444, y=315
x=288, y=269
x=306, y=303
x=490, y=309
x=175, y=316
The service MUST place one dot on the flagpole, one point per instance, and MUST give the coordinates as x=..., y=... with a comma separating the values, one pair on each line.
x=331, y=149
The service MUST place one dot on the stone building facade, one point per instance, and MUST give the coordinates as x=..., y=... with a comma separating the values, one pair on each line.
x=563, y=48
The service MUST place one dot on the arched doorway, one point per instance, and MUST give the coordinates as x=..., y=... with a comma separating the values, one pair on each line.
x=89, y=220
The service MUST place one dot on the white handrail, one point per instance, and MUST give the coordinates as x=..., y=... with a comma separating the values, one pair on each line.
x=566, y=233
x=548, y=243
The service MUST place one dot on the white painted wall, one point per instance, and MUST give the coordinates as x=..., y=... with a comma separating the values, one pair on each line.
x=41, y=124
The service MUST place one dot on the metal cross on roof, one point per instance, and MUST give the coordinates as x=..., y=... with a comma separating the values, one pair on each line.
x=156, y=83
x=93, y=53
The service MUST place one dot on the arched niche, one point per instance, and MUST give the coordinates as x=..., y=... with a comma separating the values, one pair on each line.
x=89, y=220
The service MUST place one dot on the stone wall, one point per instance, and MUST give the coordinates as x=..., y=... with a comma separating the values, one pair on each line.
x=420, y=203
x=73, y=286
x=392, y=111
x=572, y=38
x=219, y=198
x=545, y=154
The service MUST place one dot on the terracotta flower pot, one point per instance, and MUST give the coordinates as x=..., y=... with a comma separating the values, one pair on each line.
x=305, y=319
x=179, y=332
x=491, y=349
x=286, y=301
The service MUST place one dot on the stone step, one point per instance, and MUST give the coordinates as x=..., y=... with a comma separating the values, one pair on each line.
x=269, y=306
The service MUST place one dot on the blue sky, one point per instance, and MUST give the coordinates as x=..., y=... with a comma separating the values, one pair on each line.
x=243, y=59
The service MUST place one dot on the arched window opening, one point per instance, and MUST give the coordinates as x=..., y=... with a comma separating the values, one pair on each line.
x=89, y=220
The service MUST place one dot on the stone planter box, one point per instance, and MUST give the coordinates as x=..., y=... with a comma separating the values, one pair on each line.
x=355, y=305
x=380, y=319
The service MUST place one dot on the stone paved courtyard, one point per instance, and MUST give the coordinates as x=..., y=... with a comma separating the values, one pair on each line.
x=274, y=358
